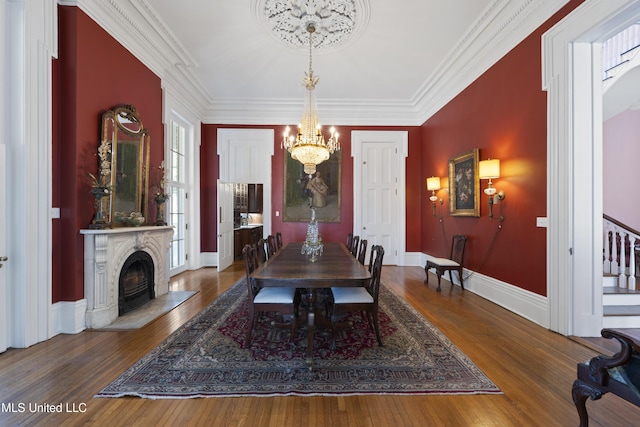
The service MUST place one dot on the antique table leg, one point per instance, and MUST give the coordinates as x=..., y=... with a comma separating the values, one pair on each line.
x=311, y=324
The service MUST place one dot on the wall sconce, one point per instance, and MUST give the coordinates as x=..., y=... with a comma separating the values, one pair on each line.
x=489, y=169
x=433, y=185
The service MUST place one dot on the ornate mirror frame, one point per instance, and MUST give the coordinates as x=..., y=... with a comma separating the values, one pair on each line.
x=122, y=130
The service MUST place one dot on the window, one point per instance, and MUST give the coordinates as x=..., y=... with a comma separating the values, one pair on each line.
x=177, y=189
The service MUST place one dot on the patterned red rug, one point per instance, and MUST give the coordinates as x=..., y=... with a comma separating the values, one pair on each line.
x=204, y=358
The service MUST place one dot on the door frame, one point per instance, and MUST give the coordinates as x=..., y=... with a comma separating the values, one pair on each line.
x=176, y=111
x=571, y=75
x=261, y=144
x=225, y=205
x=401, y=141
x=3, y=250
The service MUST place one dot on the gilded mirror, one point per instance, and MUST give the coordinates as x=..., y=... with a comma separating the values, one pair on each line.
x=122, y=129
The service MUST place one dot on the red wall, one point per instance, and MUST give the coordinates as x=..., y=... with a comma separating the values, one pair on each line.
x=503, y=113
x=94, y=73
x=296, y=231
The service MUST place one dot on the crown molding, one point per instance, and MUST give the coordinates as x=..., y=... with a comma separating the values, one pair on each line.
x=503, y=25
x=135, y=25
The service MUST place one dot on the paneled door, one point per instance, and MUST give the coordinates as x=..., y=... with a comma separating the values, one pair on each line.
x=3, y=248
x=225, y=224
x=379, y=185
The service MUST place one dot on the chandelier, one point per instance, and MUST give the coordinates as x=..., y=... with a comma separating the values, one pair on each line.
x=309, y=146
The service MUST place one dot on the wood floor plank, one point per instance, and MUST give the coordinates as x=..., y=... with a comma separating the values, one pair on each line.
x=532, y=366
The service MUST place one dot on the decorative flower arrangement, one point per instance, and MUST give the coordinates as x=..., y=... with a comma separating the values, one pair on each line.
x=97, y=189
x=101, y=184
x=161, y=195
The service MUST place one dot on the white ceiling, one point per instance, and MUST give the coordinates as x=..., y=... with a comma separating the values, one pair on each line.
x=409, y=58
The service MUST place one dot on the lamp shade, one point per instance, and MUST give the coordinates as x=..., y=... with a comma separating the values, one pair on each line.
x=433, y=183
x=488, y=169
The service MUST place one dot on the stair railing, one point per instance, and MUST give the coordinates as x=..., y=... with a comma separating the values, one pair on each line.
x=620, y=245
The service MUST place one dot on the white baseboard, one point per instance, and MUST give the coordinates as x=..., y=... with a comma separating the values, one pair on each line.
x=68, y=317
x=414, y=259
x=209, y=259
x=524, y=303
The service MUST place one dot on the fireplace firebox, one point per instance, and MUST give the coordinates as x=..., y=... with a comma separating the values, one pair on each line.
x=136, y=284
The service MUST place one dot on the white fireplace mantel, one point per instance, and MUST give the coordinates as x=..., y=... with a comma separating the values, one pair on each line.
x=105, y=252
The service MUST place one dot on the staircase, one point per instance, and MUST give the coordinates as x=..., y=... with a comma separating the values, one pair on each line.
x=619, y=51
x=621, y=298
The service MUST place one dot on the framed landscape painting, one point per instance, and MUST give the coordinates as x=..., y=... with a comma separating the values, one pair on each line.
x=322, y=190
x=464, y=185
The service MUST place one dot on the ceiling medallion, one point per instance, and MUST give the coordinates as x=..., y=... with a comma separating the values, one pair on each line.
x=334, y=20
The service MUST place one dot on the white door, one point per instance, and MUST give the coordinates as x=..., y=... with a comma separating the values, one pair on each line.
x=225, y=224
x=379, y=186
x=3, y=248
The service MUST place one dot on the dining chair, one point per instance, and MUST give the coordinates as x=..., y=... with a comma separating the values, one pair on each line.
x=261, y=250
x=362, y=252
x=453, y=263
x=354, y=248
x=358, y=299
x=278, y=240
x=349, y=241
x=271, y=246
x=268, y=299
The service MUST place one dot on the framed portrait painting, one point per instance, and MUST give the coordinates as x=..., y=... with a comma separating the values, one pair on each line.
x=322, y=190
x=464, y=185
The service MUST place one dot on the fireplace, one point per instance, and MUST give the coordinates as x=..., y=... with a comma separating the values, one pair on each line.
x=135, y=286
x=123, y=269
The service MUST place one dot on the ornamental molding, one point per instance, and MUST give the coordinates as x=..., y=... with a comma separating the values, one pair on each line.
x=337, y=22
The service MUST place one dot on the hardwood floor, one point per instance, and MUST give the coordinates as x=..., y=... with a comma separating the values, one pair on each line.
x=534, y=368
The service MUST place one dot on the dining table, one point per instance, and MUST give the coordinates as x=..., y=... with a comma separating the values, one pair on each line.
x=289, y=267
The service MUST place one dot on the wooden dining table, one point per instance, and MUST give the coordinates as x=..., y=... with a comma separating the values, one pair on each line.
x=336, y=267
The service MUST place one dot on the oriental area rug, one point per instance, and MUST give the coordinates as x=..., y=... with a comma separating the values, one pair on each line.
x=205, y=358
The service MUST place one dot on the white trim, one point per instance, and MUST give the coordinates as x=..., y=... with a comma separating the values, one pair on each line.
x=208, y=259
x=32, y=27
x=501, y=26
x=524, y=303
x=401, y=140
x=254, y=148
x=414, y=259
x=174, y=109
x=574, y=148
x=68, y=317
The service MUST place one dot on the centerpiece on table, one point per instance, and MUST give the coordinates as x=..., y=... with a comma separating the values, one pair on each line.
x=312, y=245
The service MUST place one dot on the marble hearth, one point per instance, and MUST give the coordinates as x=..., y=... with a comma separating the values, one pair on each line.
x=105, y=252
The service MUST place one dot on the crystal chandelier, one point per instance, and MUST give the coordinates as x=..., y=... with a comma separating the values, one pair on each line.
x=309, y=146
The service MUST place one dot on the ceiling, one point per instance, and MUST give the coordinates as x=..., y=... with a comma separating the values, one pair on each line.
x=402, y=62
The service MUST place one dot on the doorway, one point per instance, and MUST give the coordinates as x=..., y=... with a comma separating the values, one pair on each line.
x=379, y=190
x=572, y=78
x=245, y=157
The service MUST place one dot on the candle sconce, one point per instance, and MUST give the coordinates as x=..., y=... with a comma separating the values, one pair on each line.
x=490, y=169
x=433, y=185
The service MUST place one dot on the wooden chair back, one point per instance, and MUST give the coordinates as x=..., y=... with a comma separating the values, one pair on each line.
x=250, y=256
x=261, y=251
x=362, y=252
x=374, y=284
x=458, y=244
x=354, y=248
x=271, y=246
x=349, y=241
x=278, y=240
